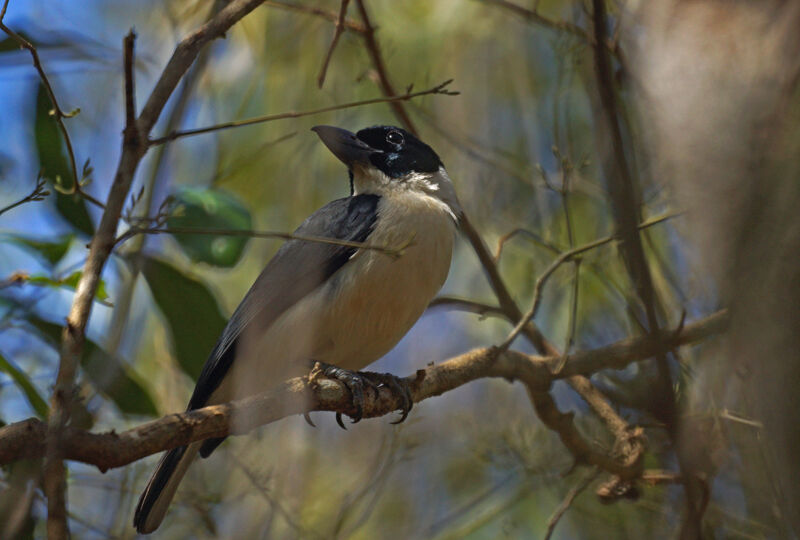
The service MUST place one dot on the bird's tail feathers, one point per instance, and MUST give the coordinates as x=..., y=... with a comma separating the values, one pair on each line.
x=155, y=499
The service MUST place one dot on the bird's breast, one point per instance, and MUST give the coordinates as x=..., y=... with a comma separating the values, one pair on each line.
x=376, y=298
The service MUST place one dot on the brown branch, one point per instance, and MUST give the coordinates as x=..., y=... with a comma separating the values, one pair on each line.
x=507, y=304
x=438, y=89
x=542, y=402
x=296, y=396
x=72, y=343
x=331, y=16
x=133, y=149
x=555, y=418
x=336, y=34
x=464, y=304
x=625, y=201
x=374, y=51
x=533, y=16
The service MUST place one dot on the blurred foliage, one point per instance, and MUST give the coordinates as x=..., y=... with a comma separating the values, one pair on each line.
x=107, y=374
x=520, y=143
x=52, y=251
x=204, y=210
x=191, y=312
x=24, y=383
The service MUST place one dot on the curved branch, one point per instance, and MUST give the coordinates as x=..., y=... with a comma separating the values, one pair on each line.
x=26, y=439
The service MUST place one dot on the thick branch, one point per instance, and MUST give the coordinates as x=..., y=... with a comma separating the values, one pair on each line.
x=108, y=450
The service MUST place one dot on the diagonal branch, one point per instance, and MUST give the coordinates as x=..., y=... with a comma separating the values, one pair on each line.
x=296, y=396
x=374, y=51
x=336, y=34
x=331, y=16
x=533, y=16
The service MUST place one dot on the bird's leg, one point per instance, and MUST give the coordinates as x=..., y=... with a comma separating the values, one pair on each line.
x=356, y=381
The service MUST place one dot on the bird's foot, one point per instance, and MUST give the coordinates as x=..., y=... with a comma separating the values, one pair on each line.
x=357, y=381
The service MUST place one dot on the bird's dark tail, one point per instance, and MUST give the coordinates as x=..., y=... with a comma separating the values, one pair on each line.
x=155, y=499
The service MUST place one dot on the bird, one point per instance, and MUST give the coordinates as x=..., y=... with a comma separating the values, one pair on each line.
x=340, y=307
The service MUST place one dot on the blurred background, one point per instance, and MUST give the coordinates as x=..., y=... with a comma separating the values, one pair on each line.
x=708, y=107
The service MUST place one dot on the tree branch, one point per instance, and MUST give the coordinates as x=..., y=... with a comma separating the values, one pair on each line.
x=374, y=51
x=438, y=89
x=133, y=149
x=336, y=34
x=331, y=16
x=109, y=450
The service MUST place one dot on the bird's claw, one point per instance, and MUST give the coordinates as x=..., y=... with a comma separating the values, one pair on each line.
x=356, y=381
x=399, y=387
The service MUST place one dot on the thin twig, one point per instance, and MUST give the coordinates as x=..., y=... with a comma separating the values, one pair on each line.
x=561, y=259
x=331, y=16
x=374, y=51
x=438, y=89
x=537, y=239
x=336, y=34
x=465, y=304
x=391, y=251
x=57, y=112
x=532, y=15
x=38, y=194
x=567, y=502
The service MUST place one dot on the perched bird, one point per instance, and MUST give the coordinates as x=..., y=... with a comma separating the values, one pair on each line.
x=340, y=306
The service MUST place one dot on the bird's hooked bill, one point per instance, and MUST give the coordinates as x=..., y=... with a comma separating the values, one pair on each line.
x=345, y=145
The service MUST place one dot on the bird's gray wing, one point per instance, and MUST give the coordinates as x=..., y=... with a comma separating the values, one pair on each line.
x=297, y=268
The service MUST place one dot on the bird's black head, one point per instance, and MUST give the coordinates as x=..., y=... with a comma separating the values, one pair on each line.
x=386, y=160
x=392, y=150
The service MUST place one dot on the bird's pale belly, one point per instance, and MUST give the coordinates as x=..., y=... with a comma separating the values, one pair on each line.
x=359, y=314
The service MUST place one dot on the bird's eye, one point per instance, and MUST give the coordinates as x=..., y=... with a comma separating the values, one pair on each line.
x=394, y=137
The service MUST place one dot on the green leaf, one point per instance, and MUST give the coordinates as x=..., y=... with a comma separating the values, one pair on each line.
x=54, y=165
x=192, y=313
x=209, y=209
x=107, y=374
x=51, y=251
x=71, y=282
x=24, y=383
